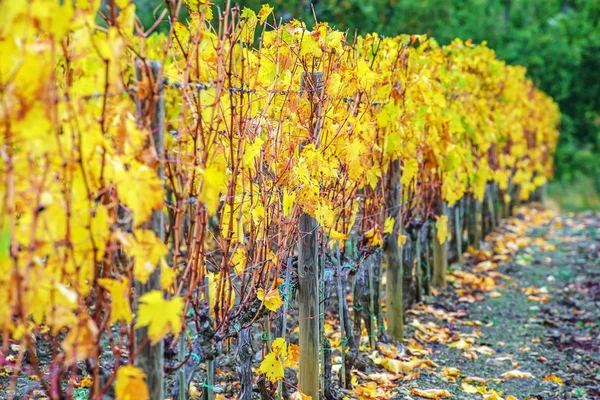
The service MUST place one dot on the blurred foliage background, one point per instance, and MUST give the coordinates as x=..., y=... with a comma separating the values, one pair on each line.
x=558, y=41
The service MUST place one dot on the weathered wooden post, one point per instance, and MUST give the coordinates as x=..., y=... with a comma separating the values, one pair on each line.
x=286, y=299
x=394, y=276
x=426, y=266
x=458, y=230
x=440, y=255
x=418, y=258
x=150, y=358
x=474, y=222
x=308, y=271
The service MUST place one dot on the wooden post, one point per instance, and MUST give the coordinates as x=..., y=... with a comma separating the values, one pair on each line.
x=394, y=276
x=150, y=358
x=440, y=256
x=459, y=231
x=182, y=388
x=308, y=304
x=428, y=257
x=308, y=270
x=210, y=363
x=340, y=295
x=286, y=300
x=419, y=296
x=474, y=225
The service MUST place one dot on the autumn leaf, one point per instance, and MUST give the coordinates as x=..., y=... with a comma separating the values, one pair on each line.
x=516, y=374
x=272, y=367
x=147, y=249
x=467, y=388
x=264, y=13
x=431, y=393
x=120, y=309
x=272, y=300
x=161, y=316
x=553, y=378
x=451, y=373
x=80, y=342
x=409, y=171
x=289, y=200
x=131, y=384
x=441, y=227
x=139, y=178
x=461, y=345
x=370, y=390
x=388, y=225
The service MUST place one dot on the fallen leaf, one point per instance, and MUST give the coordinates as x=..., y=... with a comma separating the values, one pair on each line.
x=432, y=393
x=467, y=388
x=476, y=379
x=193, y=391
x=370, y=391
x=461, y=345
x=553, y=378
x=516, y=374
x=451, y=373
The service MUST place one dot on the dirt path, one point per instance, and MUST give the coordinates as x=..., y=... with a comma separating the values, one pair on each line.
x=537, y=318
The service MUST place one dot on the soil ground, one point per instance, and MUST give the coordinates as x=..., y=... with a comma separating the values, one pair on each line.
x=541, y=316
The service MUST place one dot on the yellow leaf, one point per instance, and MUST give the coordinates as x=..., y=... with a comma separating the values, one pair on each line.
x=409, y=171
x=432, y=393
x=147, y=249
x=441, y=227
x=477, y=379
x=132, y=182
x=324, y=215
x=248, y=22
x=258, y=214
x=120, y=309
x=553, y=378
x=160, y=315
x=401, y=240
x=370, y=390
x=467, y=388
x=388, y=226
x=300, y=396
x=252, y=152
x=516, y=374
x=272, y=367
x=80, y=342
x=451, y=373
x=397, y=366
x=279, y=347
x=492, y=395
x=131, y=384
x=239, y=260
x=193, y=391
x=167, y=275
x=272, y=300
x=289, y=199
x=264, y=13
x=461, y=345
x=86, y=382
x=374, y=237
x=213, y=181
x=293, y=356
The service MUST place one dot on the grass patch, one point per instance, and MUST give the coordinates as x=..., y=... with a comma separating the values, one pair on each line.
x=574, y=196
